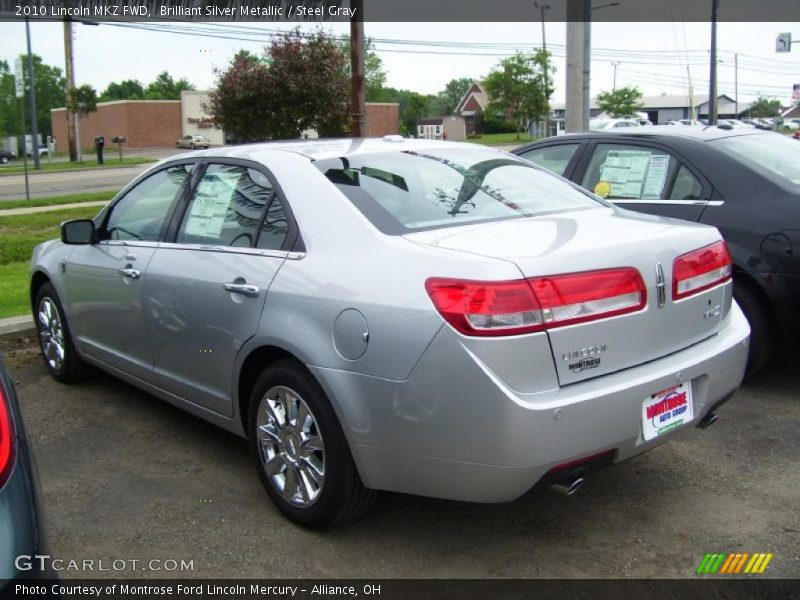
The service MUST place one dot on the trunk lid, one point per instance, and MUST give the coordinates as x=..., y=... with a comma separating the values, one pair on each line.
x=599, y=239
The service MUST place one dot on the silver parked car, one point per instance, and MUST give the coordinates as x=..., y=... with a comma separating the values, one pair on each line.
x=193, y=141
x=424, y=317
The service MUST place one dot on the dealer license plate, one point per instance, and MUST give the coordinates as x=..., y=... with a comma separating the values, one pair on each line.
x=666, y=410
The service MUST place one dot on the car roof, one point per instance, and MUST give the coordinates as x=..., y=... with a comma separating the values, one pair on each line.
x=702, y=133
x=331, y=148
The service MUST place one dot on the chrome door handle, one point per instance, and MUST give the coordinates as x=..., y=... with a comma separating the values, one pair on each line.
x=242, y=288
x=130, y=272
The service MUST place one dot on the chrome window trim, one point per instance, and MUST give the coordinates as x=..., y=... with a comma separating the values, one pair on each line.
x=668, y=202
x=129, y=243
x=288, y=254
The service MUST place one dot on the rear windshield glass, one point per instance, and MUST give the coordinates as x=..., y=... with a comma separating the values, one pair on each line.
x=777, y=153
x=400, y=192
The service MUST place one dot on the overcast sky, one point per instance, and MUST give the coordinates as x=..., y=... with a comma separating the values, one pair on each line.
x=652, y=56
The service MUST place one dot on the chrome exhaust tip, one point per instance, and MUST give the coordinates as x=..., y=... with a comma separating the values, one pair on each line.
x=708, y=420
x=569, y=487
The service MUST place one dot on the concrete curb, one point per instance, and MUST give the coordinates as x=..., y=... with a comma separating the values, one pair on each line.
x=13, y=326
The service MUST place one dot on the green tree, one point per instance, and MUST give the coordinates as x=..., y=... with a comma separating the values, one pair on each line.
x=50, y=93
x=415, y=108
x=517, y=87
x=82, y=100
x=128, y=89
x=301, y=84
x=765, y=107
x=622, y=102
x=166, y=88
x=374, y=73
x=9, y=104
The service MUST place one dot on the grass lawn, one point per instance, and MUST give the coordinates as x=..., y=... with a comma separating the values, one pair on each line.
x=14, y=290
x=501, y=139
x=110, y=163
x=18, y=235
x=56, y=200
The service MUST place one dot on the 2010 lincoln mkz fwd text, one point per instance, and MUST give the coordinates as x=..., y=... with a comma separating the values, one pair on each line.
x=424, y=317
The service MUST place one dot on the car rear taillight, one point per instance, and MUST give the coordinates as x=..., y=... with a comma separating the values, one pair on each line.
x=580, y=297
x=700, y=270
x=495, y=308
x=486, y=308
x=6, y=440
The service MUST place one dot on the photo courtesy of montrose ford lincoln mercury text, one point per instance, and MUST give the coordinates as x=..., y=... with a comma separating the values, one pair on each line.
x=423, y=317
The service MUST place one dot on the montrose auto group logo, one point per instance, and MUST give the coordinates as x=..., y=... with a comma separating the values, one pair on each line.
x=736, y=563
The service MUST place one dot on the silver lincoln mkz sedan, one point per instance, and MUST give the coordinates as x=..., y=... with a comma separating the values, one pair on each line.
x=423, y=317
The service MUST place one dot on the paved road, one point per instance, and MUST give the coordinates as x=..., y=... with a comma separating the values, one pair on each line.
x=43, y=184
x=128, y=476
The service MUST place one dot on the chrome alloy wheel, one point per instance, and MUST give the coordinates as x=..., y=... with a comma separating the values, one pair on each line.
x=51, y=333
x=291, y=446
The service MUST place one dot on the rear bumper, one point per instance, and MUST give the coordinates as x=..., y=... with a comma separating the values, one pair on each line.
x=454, y=430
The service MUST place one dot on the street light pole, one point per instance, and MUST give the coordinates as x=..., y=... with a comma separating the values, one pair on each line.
x=615, y=64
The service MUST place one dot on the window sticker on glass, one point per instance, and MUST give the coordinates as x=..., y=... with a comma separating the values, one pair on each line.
x=211, y=202
x=656, y=176
x=625, y=172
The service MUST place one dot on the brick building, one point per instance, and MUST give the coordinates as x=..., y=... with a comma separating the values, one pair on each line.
x=160, y=123
x=146, y=123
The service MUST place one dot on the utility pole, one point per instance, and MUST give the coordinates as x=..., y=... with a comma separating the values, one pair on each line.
x=615, y=64
x=32, y=98
x=712, y=75
x=692, y=114
x=543, y=7
x=357, y=91
x=578, y=14
x=70, y=72
x=736, y=82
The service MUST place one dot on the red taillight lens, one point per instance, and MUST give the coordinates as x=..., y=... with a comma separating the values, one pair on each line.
x=700, y=270
x=494, y=308
x=579, y=297
x=6, y=440
x=486, y=308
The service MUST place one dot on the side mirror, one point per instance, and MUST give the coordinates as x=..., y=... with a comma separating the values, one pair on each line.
x=78, y=231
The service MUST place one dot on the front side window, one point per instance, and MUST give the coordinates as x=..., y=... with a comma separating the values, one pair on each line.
x=142, y=213
x=227, y=207
x=621, y=171
x=414, y=190
x=553, y=158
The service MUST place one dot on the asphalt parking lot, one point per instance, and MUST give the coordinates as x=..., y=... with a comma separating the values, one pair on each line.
x=126, y=476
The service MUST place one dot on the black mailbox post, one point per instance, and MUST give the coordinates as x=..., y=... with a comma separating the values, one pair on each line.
x=119, y=140
x=99, y=142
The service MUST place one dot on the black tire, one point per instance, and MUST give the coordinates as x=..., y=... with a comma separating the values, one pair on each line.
x=71, y=368
x=753, y=308
x=177, y=144
x=342, y=496
x=4, y=159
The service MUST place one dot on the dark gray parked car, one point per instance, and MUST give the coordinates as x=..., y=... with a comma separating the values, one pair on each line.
x=22, y=535
x=744, y=182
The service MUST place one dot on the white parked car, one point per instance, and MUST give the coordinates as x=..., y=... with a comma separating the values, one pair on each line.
x=597, y=124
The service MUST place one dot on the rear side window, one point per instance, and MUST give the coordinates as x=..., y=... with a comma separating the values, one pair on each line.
x=620, y=171
x=400, y=192
x=686, y=186
x=227, y=207
x=553, y=158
